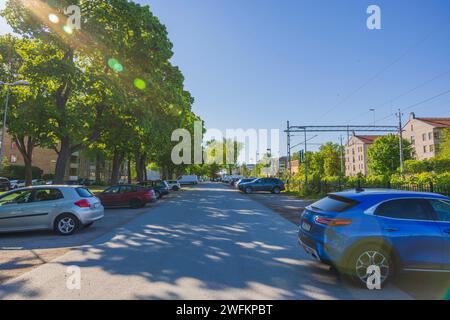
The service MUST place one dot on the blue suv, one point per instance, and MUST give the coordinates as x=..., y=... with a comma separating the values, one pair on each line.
x=394, y=230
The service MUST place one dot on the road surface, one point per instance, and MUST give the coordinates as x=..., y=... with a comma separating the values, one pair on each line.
x=207, y=242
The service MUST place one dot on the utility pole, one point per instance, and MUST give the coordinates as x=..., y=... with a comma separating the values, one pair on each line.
x=400, y=134
x=306, y=160
x=342, y=156
x=289, y=148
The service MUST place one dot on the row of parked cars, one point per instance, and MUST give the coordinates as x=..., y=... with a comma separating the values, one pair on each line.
x=68, y=208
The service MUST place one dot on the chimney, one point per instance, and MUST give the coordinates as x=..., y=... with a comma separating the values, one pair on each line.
x=412, y=116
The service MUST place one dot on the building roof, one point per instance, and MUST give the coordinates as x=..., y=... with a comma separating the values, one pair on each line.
x=436, y=122
x=367, y=139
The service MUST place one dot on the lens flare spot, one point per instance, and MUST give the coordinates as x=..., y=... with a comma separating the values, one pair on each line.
x=115, y=65
x=53, y=18
x=68, y=29
x=140, y=84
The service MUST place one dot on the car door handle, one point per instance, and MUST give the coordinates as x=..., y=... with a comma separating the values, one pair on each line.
x=391, y=229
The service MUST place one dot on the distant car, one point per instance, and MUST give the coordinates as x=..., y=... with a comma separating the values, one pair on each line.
x=84, y=182
x=62, y=209
x=273, y=185
x=387, y=229
x=160, y=187
x=126, y=196
x=245, y=180
x=174, y=185
x=5, y=185
x=185, y=180
x=38, y=182
x=15, y=184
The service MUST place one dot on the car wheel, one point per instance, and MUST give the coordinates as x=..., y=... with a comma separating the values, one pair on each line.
x=248, y=190
x=158, y=195
x=66, y=224
x=136, y=204
x=276, y=190
x=175, y=188
x=364, y=257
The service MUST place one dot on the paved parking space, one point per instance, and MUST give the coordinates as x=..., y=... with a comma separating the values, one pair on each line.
x=21, y=252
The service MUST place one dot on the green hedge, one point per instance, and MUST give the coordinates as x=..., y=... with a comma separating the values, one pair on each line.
x=18, y=172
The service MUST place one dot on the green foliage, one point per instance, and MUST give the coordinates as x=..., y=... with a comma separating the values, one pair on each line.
x=18, y=172
x=77, y=100
x=444, y=146
x=384, y=155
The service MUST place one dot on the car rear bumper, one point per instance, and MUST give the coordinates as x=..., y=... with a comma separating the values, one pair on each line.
x=313, y=248
x=91, y=215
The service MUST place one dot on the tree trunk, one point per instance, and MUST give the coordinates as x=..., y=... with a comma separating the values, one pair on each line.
x=26, y=150
x=98, y=168
x=61, y=163
x=139, y=172
x=116, y=164
x=129, y=170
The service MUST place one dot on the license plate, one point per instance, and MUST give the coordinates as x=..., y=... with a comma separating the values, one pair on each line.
x=306, y=226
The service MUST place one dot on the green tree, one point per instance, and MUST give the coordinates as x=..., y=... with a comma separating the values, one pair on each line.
x=444, y=146
x=384, y=155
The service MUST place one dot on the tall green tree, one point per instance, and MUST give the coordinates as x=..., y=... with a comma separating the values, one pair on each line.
x=384, y=155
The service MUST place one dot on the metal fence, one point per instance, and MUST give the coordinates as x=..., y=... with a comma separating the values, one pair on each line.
x=324, y=187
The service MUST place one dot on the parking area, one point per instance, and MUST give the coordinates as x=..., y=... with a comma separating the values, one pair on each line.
x=21, y=252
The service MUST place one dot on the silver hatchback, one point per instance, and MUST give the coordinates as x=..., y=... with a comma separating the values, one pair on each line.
x=64, y=209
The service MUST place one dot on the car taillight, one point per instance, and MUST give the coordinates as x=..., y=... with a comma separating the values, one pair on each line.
x=149, y=193
x=332, y=222
x=83, y=203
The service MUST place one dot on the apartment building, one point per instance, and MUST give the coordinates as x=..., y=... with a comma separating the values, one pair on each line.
x=424, y=135
x=356, y=154
x=79, y=166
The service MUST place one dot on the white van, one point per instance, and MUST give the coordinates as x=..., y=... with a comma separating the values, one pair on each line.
x=192, y=179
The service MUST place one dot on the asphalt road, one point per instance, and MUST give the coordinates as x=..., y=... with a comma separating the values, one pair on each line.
x=208, y=242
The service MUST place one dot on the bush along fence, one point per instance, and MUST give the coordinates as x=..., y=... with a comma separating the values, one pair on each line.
x=323, y=187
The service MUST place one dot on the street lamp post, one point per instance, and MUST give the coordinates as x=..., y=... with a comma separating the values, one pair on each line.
x=8, y=86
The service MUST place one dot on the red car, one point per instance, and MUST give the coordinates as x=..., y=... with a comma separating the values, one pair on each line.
x=126, y=196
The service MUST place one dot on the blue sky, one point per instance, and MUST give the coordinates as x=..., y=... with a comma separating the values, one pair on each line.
x=258, y=63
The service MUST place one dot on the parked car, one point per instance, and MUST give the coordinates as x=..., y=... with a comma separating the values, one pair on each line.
x=393, y=230
x=273, y=185
x=174, y=185
x=38, y=182
x=15, y=184
x=244, y=180
x=126, y=196
x=185, y=180
x=84, y=182
x=62, y=209
x=5, y=185
x=160, y=187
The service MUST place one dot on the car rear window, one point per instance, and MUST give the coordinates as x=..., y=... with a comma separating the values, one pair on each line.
x=334, y=203
x=84, y=193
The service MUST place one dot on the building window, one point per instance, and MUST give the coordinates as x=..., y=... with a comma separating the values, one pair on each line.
x=424, y=137
x=73, y=172
x=431, y=148
x=412, y=128
x=436, y=135
x=425, y=149
x=13, y=159
x=430, y=135
x=73, y=159
x=413, y=140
